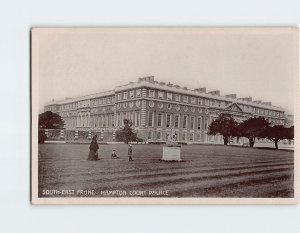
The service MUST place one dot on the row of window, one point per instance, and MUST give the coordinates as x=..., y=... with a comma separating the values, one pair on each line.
x=133, y=116
x=105, y=120
x=50, y=108
x=103, y=100
x=129, y=95
x=177, y=121
x=195, y=100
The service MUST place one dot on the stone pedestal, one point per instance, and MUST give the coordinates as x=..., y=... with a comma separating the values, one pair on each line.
x=171, y=153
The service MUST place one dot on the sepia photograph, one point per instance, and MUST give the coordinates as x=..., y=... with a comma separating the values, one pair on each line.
x=164, y=115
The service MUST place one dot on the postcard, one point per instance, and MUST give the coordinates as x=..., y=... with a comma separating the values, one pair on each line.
x=166, y=115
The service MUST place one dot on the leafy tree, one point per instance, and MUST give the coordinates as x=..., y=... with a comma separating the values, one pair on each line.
x=126, y=134
x=224, y=125
x=50, y=120
x=290, y=133
x=253, y=128
x=276, y=133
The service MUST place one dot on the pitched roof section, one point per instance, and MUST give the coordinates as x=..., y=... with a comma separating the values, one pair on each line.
x=234, y=107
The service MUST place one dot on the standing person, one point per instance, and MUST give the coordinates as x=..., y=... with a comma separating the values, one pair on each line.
x=130, y=152
x=93, y=155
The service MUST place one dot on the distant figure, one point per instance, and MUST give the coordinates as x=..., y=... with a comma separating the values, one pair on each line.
x=130, y=152
x=93, y=155
x=114, y=155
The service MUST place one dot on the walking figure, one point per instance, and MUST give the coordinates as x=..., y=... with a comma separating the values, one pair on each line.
x=93, y=155
x=114, y=155
x=130, y=152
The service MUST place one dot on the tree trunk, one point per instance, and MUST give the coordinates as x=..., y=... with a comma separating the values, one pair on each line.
x=225, y=140
x=251, y=142
x=276, y=144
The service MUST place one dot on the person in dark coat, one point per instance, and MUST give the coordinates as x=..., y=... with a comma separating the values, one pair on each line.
x=130, y=152
x=93, y=155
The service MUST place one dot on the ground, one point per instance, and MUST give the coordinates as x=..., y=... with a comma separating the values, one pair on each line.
x=206, y=171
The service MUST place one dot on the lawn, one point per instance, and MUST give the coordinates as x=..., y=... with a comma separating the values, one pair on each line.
x=206, y=171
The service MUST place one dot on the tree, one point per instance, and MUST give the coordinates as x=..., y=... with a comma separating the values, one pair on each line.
x=50, y=120
x=224, y=125
x=42, y=136
x=290, y=133
x=253, y=128
x=276, y=133
x=126, y=134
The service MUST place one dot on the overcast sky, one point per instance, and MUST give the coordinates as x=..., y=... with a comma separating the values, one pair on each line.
x=259, y=63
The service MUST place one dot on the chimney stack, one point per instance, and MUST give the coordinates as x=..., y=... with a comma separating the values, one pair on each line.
x=201, y=90
x=232, y=96
x=215, y=92
x=246, y=99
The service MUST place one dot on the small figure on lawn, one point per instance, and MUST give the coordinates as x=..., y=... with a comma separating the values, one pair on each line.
x=130, y=152
x=114, y=155
x=93, y=155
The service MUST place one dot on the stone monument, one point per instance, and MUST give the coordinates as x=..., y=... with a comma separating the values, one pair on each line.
x=172, y=150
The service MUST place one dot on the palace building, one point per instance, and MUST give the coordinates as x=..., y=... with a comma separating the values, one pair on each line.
x=157, y=107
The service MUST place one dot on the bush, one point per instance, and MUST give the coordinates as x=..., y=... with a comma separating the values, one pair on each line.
x=54, y=134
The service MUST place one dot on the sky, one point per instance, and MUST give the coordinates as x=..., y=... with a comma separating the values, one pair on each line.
x=261, y=63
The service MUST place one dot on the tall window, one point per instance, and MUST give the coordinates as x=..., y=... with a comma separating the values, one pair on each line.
x=112, y=120
x=184, y=123
x=205, y=123
x=207, y=102
x=183, y=136
x=160, y=95
x=119, y=119
x=199, y=123
x=138, y=93
x=137, y=118
x=169, y=96
x=150, y=135
x=150, y=119
x=124, y=116
x=168, y=123
x=200, y=101
x=193, y=100
x=131, y=94
x=176, y=121
x=158, y=135
x=192, y=122
x=125, y=95
x=185, y=99
x=177, y=98
x=151, y=93
x=132, y=117
x=159, y=119
x=191, y=137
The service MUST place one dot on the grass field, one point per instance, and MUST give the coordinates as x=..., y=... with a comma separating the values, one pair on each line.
x=206, y=171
